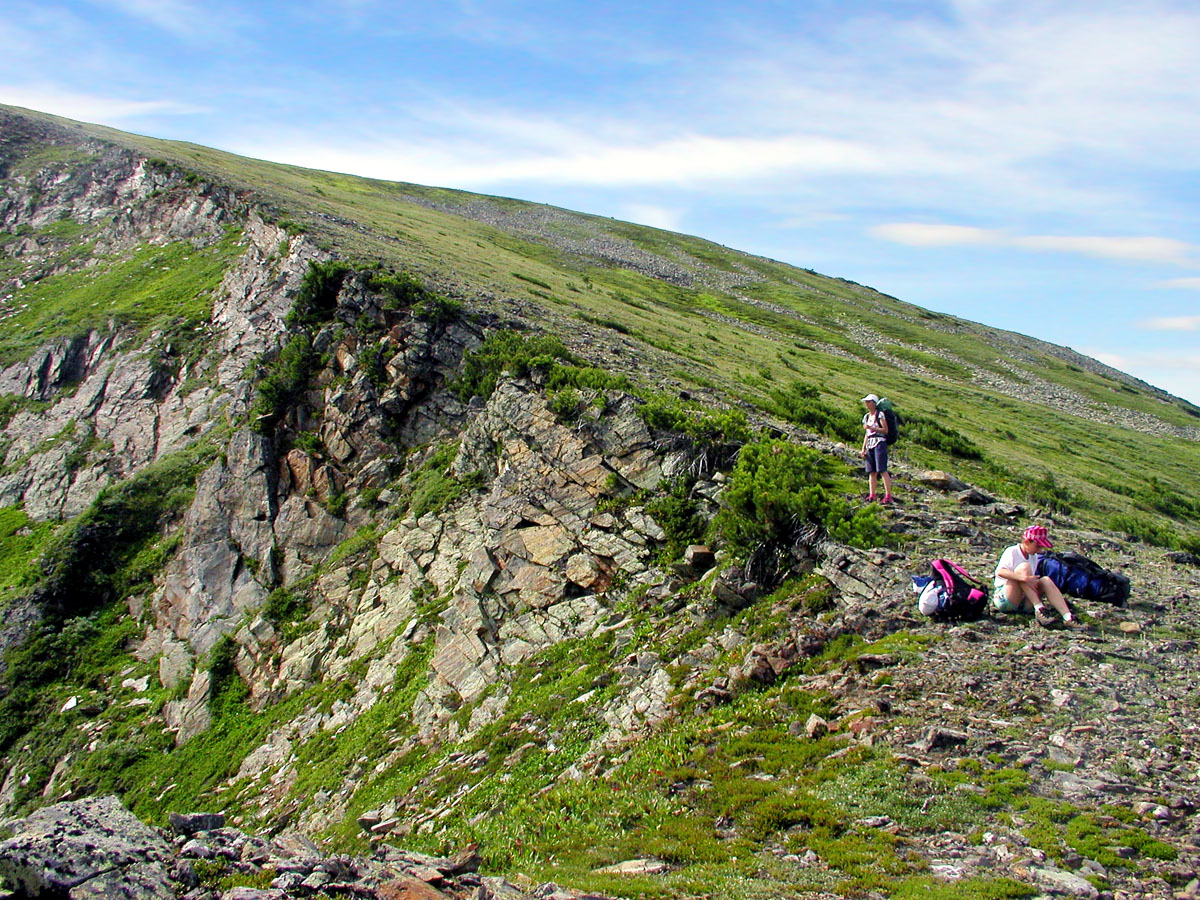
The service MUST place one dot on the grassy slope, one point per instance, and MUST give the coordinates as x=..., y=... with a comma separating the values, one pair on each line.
x=791, y=324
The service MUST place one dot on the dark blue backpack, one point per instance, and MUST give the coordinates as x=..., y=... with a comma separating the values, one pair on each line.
x=1078, y=576
x=893, y=421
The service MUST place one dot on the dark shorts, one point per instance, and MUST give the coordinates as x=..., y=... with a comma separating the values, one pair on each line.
x=876, y=457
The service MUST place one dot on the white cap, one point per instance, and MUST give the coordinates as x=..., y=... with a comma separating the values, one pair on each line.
x=870, y=397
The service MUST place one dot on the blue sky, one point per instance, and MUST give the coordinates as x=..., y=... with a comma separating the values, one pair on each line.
x=1030, y=164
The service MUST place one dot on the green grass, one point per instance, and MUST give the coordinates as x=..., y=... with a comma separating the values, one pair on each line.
x=154, y=288
x=22, y=542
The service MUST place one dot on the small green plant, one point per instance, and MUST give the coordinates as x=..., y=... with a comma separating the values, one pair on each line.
x=285, y=381
x=438, y=310
x=680, y=519
x=1048, y=493
x=936, y=436
x=800, y=403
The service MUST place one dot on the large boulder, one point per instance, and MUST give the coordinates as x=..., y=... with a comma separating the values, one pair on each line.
x=92, y=848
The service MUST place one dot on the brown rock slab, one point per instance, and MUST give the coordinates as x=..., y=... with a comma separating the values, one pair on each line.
x=405, y=888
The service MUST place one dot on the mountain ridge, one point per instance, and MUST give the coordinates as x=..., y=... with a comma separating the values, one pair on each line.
x=351, y=515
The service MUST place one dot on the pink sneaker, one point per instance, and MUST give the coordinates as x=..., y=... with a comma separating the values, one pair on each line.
x=887, y=498
x=870, y=498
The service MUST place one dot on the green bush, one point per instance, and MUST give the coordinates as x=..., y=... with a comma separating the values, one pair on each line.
x=287, y=378
x=506, y=352
x=402, y=290
x=1145, y=530
x=438, y=310
x=778, y=488
x=936, y=436
x=680, y=519
x=800, y=404
x=586, y=378
x=1047, y=493
x=316, y=301
x=286, y=610
x=726, y=426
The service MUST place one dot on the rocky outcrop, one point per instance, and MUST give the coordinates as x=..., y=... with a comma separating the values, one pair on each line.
x=97, y=850
x=87, y=849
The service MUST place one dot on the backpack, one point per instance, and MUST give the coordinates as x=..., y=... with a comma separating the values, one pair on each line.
x=959, y=596
x=1078, y=576
x=893, y=421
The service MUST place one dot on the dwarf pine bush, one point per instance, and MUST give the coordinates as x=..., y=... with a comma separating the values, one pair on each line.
x=777, y=489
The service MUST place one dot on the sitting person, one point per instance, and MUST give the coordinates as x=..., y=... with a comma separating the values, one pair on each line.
x=1018, y=587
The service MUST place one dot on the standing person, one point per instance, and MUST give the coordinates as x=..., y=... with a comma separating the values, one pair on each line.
x=875, y=448
x=1019, y=588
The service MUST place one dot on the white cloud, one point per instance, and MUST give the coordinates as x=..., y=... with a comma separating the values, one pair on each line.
x=89, y=107
x=654, y=216
x=581, y=160
x=1130, y=249
x=1191, y=284
x=1171, y=323
x=179, y=18
x=1176, y=372
x=916, y=234
x=1137, y=249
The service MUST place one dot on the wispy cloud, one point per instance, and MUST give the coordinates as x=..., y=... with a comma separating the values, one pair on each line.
x=90, y=107
x=1177, y=372
x=581, y=160
x=1190, y=284
x=1129, y=249
x=655, y=216
x=1135, y=249
x=179, y=18
x=1171, y=323
x=918, y=234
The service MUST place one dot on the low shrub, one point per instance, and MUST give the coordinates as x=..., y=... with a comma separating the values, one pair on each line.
x=936, y=436
x=800, y=403
x=287, y=377
x=777, y=489
x=507, y=352
x=316, y=299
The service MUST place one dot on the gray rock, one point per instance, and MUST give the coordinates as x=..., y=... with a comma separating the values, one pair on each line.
x=87, y=848
x=190, y=823
x=1065, y=883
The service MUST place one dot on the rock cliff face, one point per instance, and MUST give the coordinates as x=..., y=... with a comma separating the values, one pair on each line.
x=524, y=561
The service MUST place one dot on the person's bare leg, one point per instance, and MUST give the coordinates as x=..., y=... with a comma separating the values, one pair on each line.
x=1054, y=597
x=1030, y=592
x=1016, y=596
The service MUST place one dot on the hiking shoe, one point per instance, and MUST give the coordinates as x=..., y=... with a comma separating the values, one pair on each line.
x=870, y=498
x=887, y=498
x=1074, y=624
x=1043, y=616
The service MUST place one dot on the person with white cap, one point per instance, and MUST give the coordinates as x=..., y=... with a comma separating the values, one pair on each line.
x=1018, y=586
x=875, y=448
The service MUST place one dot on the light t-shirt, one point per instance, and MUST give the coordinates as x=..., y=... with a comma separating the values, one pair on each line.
x=878, y=420
x=1011, y=558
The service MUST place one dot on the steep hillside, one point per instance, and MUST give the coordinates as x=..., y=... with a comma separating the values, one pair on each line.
x=377, y=512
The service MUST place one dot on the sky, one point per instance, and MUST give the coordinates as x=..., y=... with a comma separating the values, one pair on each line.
x=1028, y=164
